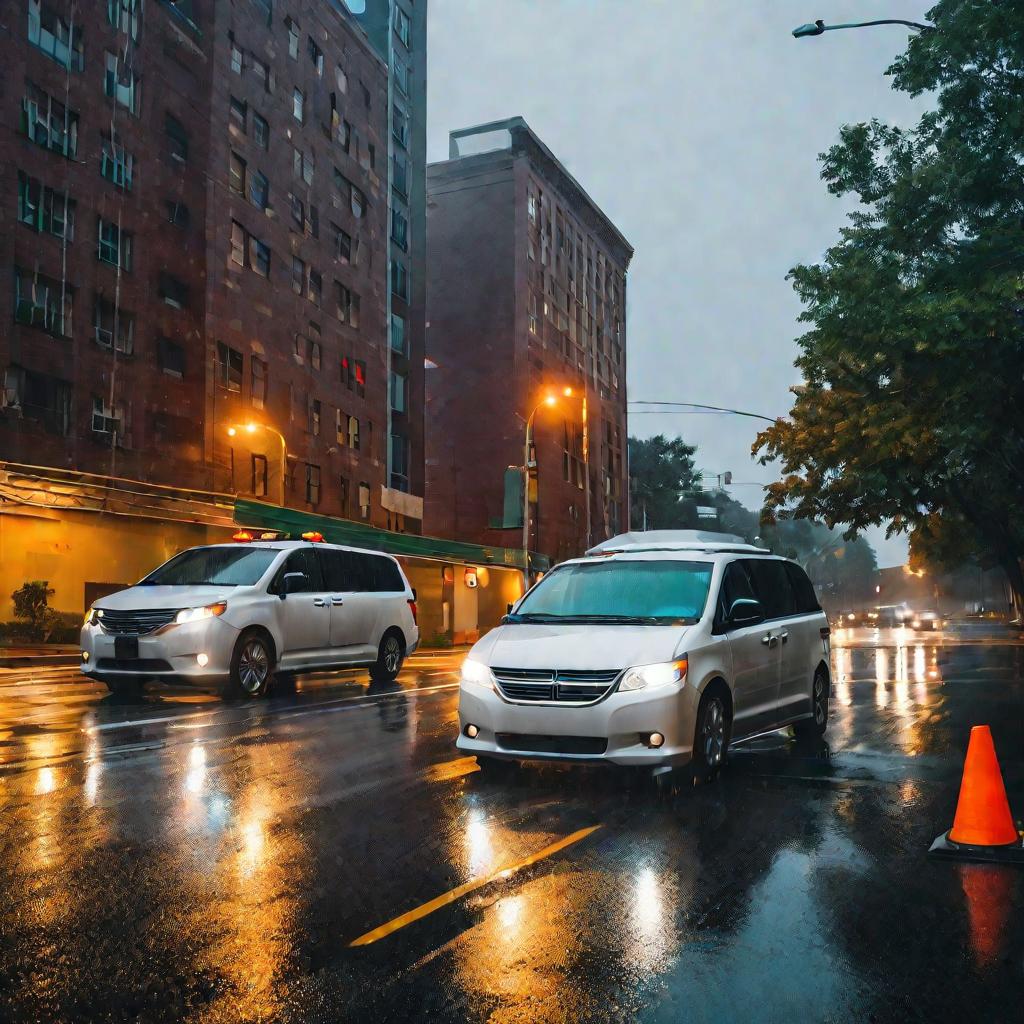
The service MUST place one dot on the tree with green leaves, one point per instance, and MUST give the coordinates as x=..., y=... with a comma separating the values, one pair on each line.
x=911, y=409
x=662, y=481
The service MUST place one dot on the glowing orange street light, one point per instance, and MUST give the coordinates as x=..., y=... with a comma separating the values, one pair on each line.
x=252, y=428
x=550, y=400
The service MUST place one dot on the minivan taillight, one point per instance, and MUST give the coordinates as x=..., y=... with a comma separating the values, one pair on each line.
x=412, y=608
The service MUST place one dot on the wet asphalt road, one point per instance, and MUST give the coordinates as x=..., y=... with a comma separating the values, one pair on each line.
x=178, y=858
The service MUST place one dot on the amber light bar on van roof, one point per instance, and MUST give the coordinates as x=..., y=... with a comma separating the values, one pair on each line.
x=312, y=535
x=246, y=536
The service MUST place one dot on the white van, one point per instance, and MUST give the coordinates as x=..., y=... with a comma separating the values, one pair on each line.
x=656, y=649
x=240, y=612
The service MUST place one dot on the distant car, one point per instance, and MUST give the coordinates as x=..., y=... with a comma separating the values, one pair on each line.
x=238, y=612
x=927, y=619
x=654, y=650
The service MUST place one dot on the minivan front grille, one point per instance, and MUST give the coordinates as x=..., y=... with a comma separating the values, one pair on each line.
x=533, y=744
x=137, y=622
x=555, y=686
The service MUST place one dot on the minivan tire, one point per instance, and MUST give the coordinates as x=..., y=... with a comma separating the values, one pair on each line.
x=711, y=736
x=818, y=722
x=252, y=665
x=390, y=657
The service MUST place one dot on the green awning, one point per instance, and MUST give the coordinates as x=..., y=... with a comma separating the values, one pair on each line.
x=260, y=515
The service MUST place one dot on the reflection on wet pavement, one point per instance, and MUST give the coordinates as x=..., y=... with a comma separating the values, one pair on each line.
x=178, y=858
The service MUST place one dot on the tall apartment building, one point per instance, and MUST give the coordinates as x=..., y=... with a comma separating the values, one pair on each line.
x=398, y=31
x=526, y=296
x=197, y=240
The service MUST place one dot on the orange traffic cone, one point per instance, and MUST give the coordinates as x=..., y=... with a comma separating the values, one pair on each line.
x=983, y=827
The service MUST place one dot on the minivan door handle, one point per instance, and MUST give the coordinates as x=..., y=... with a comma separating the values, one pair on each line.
x=319, y=602
x=784, y=636
x=769, y=641
x=337, y=601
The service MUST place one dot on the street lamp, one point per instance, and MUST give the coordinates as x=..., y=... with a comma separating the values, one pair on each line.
x=818, y=27
x=550, y=400
x=252, y=428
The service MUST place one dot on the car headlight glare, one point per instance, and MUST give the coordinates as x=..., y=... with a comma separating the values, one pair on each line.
x=92, y=616
x=645, y=677
x=476, y=672
x=206, y=612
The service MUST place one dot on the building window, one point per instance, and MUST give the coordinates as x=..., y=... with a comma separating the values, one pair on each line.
x=400, y=173
x=313, y=222
x=315, y=288
x=260, y=131
x=105, y=420
x=249, y=251
x=402, y=27
x=302, y=166
x=347, y=305
x=114, y=246
x=366, y=94
x=398, y=387
x=177, y=139
x=400, y=279
x=298, y=209
x=353, y=433
x=345, y=136
x=298, y=106
x=53, y=35
x=312, y=484
x=177, y=213
x=113, y=327
x=267, y=6
x=531, y=208
x=401, y=75
x=45, y=209
x=123, y=15
x=172, y=291
x=238, y=113
x=42, y=302
x=398, y=342
x=342, y=244
x=399, y=475
x=170, y=357
x=572, y=455
x=399, y=229
x=38, y=397
x=359, y=373
x=364, y=500
x=298, y=275
x=262, y=73
x=259, y=476
x=48, y=123
x=122, y=84
x=533, y=313
x=116, y=164
x=293, y=38
x=236, y=174
x=237, y=59
x=400, y=125
x=258, y=381
x=358, y=203
x=315, y=355
x=259, y=190
x=343, y=494
x=229, y=367
x=316, y=56
x=313, y=417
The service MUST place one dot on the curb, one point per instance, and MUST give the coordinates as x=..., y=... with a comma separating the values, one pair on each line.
x=38, y=660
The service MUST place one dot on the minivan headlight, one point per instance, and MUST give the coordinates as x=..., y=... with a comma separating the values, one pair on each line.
x=648, y=676
x=476, y=672
x=92, y=616
x=195, y=614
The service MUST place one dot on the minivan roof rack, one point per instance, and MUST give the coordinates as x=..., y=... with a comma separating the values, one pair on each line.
x=676, y=540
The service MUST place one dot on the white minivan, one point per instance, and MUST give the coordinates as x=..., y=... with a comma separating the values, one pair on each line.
x=656, y=649
x=239, y=612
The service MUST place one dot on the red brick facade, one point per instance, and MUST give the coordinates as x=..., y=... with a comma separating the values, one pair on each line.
x=526, y=294
x=244, y=195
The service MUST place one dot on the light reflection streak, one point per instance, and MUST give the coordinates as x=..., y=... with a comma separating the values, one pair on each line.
x=197, y=769
x=479, y=847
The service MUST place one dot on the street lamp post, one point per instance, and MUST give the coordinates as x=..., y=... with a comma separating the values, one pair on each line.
x=818, y=27
x=252, y=428
x=548, y=400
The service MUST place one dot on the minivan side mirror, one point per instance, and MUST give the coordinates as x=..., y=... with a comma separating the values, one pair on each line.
x=293, y=583
x=509, y=607
x=745, y=611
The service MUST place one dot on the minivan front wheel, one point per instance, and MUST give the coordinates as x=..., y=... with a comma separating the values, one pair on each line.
x=390, y=656
x=711, y=738
x=252, y=665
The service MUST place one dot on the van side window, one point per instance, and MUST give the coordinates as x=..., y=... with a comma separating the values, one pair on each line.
x=386, y=576
x=803, y=590
x=333, y=565
x=735, y=584
x=771, y=584
x=302, y=560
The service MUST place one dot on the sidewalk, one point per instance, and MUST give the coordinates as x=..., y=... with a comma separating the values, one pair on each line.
x=36, y=655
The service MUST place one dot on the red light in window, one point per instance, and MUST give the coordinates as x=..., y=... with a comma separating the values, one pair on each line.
x=360, y=374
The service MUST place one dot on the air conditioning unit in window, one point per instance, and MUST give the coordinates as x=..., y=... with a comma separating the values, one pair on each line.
x=10, y=400
x=104, y=336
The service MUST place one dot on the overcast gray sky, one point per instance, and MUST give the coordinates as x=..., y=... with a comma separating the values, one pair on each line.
x=695, y=125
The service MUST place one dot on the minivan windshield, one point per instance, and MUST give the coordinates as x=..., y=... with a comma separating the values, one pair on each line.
x=619, y=591
x=218, y=566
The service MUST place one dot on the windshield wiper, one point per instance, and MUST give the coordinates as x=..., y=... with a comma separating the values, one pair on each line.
x=615, y=620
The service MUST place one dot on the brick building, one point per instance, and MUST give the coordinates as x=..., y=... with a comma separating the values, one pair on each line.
x=526, y=295
x=199, y=241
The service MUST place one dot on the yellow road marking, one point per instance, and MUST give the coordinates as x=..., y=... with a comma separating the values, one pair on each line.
x=448, y=770
x=477, y=883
